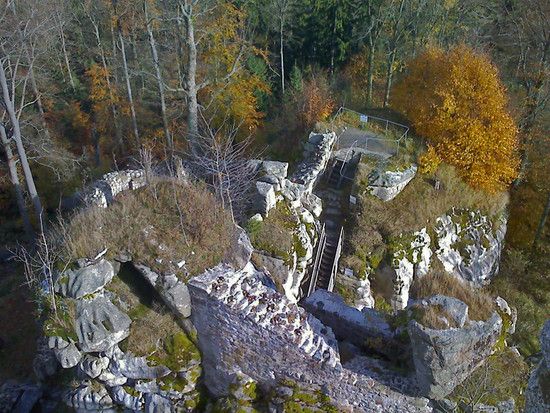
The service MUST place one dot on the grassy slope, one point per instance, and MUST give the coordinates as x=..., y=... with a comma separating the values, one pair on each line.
x=156, y=224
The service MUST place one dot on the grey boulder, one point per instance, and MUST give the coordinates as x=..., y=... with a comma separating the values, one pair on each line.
x=100, y=324
x=155, y=403
x=240, y=250
x=84, y=281
x=93, y=366
x=445, y=358
x=19, y=398
x=173, y=291
x=136, y=368
x=65, y=352
x=89, y=396
x=537, y=395
x=121, y=397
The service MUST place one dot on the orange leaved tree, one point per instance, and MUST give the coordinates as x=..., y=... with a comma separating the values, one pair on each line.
x=456, y=100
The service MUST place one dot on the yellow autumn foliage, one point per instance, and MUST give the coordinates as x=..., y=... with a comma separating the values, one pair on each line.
x=233, y=88
x=456, y=100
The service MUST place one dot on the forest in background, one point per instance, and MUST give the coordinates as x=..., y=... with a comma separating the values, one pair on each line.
x=87, y=84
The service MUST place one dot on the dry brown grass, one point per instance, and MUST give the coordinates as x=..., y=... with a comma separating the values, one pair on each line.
x=417, y=206
x=480, y=303
x=433, y=317
x=149, y=329
x=164, y=221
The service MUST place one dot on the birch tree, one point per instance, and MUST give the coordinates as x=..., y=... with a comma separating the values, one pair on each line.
x=10, y=61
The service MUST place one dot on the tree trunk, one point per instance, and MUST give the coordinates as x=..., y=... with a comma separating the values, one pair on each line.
x=35, y=91
x=114, y=110
x=66, y=56
x=129, y=88
x=16, y=135
x=158, y=75
x=14, y=177
x=389, y=78
x=333, y=42
x=282, y=54
x=191, y=81
x=543, y=220
x=370, y=73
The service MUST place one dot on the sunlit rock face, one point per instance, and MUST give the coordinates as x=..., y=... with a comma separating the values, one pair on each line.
x=243, y=324
x=469, y=244
x=386, y=185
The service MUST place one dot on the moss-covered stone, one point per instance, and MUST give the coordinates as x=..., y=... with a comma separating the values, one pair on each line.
x=61, y=322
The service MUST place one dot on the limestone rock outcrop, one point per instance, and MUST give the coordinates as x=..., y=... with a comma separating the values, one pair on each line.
x=86, y=280
x=410, y=259
x=244, y=325
x=444, y=358
x=537, y=396
x=387, y=184
x=470, y=244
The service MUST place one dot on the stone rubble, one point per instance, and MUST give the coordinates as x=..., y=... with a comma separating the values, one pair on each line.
x=386, y=185
x=103, y=192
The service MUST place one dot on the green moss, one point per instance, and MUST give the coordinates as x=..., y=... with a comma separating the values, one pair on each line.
x=295, y=407
x=62, y=324
x=382, y=305
x=250, y=390
x=503, y=376
x=172, y=382
x=307, y=398
x=346, y=292
x=131, y=391
x=179, y=352
x=298, y=247
x=400, y=248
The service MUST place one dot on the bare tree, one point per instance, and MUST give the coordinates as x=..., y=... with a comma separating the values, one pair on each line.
x=158, y=74
x=122, y=47
x=7, y=102
x=223, y=163
x=40, y=265
x=14, y=177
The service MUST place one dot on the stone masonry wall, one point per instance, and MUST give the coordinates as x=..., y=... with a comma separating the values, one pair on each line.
x=245, y=325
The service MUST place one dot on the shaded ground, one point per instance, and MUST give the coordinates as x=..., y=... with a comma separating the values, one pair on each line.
x=18, y=327
x=367, y=141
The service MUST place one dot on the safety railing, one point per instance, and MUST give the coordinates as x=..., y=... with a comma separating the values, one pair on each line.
x=373, y=124
x=317, y=262
x=335, y=262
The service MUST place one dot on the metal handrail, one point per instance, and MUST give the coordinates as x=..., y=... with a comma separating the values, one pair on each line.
x=336, y=259
x=317, y=263
x=386, y=121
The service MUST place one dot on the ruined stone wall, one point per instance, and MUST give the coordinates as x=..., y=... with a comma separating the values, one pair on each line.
x=244, y=325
